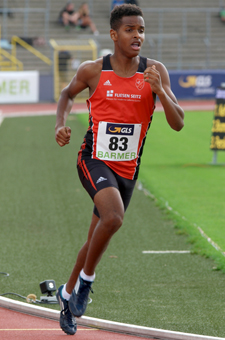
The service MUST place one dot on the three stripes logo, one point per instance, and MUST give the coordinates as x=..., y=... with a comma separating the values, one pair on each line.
x=107, y=83
x=101, y=179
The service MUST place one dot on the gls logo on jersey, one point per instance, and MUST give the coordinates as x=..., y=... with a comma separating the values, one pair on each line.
x=120, y=129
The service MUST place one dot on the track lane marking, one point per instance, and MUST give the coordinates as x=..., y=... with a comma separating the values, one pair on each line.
x=45, y=329
x=166, y=252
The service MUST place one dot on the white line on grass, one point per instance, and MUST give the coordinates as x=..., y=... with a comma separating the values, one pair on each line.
x=166, y=252
x=210, y=240
x=147, y=193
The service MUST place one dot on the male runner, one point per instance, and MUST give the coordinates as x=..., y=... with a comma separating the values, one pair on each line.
x=123, y=88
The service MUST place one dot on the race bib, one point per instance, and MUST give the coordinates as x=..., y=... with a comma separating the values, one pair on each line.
x=117, y=142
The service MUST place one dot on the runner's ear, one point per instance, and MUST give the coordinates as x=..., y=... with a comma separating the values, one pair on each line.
x=113, y=35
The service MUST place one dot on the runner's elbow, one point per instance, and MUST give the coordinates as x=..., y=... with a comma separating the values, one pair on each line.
x=178, y=127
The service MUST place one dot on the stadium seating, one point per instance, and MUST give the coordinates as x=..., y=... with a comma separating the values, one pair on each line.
x=197, y=46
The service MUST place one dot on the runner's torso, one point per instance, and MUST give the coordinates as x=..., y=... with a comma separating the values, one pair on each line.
x=120, y=114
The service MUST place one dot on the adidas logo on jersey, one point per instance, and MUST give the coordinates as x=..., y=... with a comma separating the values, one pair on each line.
x=101, y=179
x=107, y=82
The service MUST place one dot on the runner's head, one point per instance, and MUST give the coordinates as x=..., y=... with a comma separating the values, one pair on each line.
x=121, y=11
x=127, y=29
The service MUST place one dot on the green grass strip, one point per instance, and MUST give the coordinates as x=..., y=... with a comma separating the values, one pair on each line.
x=176, y=169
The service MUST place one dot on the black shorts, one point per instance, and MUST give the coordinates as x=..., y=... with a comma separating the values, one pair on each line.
x=96, y=175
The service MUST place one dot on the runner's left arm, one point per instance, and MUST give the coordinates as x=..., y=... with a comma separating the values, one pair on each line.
x=157, y=76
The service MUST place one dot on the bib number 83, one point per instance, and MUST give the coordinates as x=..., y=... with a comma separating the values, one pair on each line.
x=114, y=143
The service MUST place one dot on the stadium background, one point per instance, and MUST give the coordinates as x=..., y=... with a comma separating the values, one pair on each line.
x=187, y=37
x=189, y=40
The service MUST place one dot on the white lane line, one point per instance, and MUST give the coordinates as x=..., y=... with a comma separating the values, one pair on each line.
x=203, y=234
x=166, y=252
x=103, y=324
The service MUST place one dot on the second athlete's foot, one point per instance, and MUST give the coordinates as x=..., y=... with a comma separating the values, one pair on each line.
x=79, y=297
x=67, y=320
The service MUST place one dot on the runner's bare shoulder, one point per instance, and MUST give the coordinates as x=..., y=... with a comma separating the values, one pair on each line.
x=90, y=69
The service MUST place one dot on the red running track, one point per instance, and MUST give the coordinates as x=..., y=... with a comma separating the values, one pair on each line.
x=19, y=326
x=50, y=108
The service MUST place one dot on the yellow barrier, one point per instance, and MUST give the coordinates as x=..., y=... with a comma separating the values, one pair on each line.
x=16, y=40
x=73, y=46
x=12, y=63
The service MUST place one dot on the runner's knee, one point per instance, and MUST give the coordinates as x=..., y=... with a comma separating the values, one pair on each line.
x=112, y=222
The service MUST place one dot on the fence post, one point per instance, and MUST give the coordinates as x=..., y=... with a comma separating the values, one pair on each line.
x=5, y=20
x=160, y=38
x=208, y=38
x=221, y=3
x=179, y=53
x=91, y=6
x=26, y=14
x=48, y=6
x=184, y=27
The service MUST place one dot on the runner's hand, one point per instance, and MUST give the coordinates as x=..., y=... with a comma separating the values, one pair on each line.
x=62, y=135
x=152, y=76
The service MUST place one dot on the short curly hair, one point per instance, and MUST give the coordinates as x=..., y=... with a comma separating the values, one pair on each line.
x=121, y=11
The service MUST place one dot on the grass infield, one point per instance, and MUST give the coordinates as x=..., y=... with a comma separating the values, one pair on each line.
x=177, y=169
x=45, y=214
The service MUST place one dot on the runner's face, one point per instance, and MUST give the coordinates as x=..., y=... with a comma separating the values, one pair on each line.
x=130, y=35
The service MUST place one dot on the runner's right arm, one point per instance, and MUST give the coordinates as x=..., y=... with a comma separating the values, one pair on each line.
x=85, y=77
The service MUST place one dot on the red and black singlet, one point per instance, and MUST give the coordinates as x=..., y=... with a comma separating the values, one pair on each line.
x=120, y=114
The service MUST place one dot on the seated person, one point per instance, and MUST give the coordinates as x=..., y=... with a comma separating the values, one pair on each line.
x=68, y=15
x=222, y=14
x=85, y=19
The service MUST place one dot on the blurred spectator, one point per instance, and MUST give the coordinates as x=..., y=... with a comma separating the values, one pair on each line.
x=81, y=18
x=35, y=41
x=68, y=16
x=117, y=3
x=121, y=2
x=222, y=14
x=85, y=19
x=8, y=13
x=133, y=2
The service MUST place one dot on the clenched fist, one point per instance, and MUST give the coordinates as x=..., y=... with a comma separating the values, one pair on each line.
x=152, y=76
x=62, y=135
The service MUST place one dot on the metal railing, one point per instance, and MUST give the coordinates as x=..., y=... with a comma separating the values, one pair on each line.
x=25, y=12
x=184, y=32
x=61, y=70
x=8, y=62
x=16, y=40
x=156, y=41
x=183, y=11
